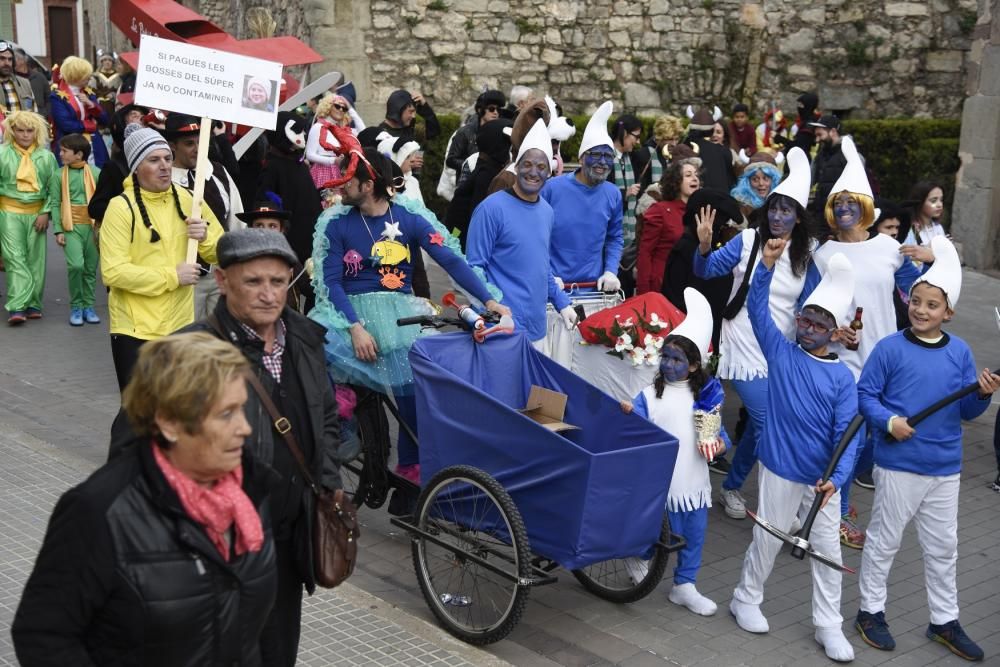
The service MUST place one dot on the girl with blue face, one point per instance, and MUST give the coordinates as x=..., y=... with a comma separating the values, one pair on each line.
x=674, y=364
x=846, y=210
x=782, y=217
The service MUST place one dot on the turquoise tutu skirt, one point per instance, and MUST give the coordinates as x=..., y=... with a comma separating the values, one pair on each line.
x=378, y=312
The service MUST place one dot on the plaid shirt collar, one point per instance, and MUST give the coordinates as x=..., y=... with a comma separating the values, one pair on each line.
x=272, y=359
x=11, y=100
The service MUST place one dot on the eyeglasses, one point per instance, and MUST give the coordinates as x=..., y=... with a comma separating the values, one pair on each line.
x=636, y=135
x=340, y=107
x=811, y=325
x=599, y=156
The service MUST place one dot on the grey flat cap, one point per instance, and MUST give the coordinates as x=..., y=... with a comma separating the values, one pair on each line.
x=242, y=245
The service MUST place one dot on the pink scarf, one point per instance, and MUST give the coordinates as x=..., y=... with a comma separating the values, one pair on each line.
x=218, y=508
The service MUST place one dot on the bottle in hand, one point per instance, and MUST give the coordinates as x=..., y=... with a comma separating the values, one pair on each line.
x=857, y=325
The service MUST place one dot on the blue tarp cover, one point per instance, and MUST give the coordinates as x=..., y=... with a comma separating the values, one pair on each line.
x=586, y=495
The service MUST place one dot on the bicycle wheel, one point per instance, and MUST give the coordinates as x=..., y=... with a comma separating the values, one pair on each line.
x=371, y=467
x=627, y=579
x=477, y=530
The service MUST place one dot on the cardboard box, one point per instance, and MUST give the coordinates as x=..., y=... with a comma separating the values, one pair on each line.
x=548, y=408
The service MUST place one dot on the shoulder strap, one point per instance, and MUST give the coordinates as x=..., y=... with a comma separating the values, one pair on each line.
x=281, y=424
x=733, y=307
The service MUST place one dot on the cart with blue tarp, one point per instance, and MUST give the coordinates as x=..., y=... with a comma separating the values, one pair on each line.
x=506, y=500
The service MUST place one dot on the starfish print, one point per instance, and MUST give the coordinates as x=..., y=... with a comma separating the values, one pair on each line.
x=437, y=239
x=391, y=231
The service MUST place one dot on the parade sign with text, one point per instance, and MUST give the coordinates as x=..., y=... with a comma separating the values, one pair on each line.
x=180, y=77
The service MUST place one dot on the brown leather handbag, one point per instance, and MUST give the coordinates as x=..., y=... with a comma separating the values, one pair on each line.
x=335, y=519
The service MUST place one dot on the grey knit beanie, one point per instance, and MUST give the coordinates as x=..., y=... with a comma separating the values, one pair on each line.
x=140, y=142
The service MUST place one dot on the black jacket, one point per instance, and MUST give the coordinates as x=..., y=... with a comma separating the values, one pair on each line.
x=125, y=577
x=288, y=177
x=827, y=168
x=716, y=166
x=304, y=342
x=463, y=144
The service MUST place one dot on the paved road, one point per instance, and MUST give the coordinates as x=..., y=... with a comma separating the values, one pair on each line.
x=58, y=394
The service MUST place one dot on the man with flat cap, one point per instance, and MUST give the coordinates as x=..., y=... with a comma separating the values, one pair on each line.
x=285, y=350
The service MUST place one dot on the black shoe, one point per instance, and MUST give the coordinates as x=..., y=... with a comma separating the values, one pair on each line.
x=953, y=636
x=719, y=465
x=874, y=630
x=865, y=480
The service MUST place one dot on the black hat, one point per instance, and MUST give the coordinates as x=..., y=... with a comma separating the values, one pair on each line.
x=486, y=98
x=828, y=122
x=242, y=245
x=181, y=125
x=269, y=207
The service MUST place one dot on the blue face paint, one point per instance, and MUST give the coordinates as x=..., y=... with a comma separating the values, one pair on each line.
x=532, y=171
x=813, y=330
x=846, y=211
x=781, y=217
x=674, y=365
x=597, y=163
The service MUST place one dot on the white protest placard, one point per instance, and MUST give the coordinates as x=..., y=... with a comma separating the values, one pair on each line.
x=176, y=76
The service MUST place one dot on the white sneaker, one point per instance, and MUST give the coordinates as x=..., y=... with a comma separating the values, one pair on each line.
x=686, y=595
x=835, y=644
x=733, y=504
x=637, y=569
x=749, y=616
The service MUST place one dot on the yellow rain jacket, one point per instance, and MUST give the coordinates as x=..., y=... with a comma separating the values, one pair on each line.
x=146, y=299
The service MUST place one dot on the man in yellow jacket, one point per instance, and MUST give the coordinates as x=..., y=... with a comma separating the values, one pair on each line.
x=144, y=239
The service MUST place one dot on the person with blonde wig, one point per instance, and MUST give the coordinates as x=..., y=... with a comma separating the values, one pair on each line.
x=75, y=108
x=331, y=111
x=164, y=556
x=29, y=192
x=883, y=265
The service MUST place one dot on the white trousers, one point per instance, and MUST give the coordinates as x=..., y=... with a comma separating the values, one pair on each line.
x=932, y=503
x=779, y=501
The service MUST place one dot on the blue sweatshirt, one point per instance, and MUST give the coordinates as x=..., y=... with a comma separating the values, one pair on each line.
x=351, y=233
x=509, y=240
x=810, y=401
x=587, y=236
x=903, y=376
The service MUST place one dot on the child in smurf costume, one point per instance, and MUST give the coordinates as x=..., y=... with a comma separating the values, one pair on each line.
x=686, y=401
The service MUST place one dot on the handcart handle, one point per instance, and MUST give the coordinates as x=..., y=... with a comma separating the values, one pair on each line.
x=436, y=321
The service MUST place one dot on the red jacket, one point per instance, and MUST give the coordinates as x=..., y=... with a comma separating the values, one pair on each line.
x=663, y=224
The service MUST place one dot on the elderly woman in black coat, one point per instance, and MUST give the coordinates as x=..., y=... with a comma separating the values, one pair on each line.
x=164, y=555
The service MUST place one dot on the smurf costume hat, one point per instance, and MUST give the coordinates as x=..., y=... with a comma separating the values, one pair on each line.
x=537, y=137
x=596, y=132
x=796, y=184
x=853, y=178
x=946, y=272
x=697, y=326
x=835, y=292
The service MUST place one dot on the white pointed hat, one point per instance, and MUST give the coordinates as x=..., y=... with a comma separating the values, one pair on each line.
x=596, y=132
x=796, y=184
x=853, y=178
x=835, y=292
x=697, y=326
x=537, y=137
x=946, y=272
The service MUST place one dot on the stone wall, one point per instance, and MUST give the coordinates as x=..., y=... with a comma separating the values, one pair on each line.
x=877, y=58
x=871, y=59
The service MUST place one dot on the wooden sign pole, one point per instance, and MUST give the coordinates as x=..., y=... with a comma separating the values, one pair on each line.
x=201, y=170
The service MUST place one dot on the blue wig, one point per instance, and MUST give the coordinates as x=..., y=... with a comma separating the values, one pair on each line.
x=744, y=193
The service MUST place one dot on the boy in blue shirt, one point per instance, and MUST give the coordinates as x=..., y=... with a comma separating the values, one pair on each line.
x=917, y=470
x=811, y=400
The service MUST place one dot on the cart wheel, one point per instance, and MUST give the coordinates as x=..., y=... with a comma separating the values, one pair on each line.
x=627, y=579
x=371, y=466
x=350, y=476
x=471, y=515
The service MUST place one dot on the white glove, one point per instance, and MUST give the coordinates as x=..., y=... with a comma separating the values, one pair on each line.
x=559, y=282
x=608, y=283
x=569, y=317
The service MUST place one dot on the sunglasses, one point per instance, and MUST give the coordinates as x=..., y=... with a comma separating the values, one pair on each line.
x=340, y=107
x=493, y=108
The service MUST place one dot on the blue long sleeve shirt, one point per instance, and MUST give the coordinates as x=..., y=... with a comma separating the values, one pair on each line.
x=810, y=401
x=509, y=239
x=903, y=376
x=352, y=237
x=587, y=235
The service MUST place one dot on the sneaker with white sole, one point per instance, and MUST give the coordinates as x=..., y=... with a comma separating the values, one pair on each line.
x=733, y=504
x=686, y=595
x=637, y=569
